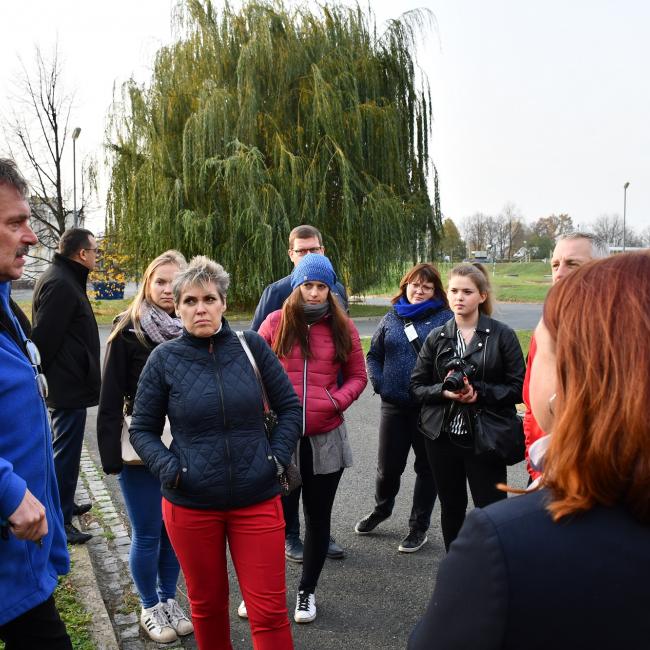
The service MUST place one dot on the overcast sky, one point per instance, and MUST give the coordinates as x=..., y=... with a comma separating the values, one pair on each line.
x=545, y=104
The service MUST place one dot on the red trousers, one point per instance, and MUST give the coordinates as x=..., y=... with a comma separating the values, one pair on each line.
x=255, y=536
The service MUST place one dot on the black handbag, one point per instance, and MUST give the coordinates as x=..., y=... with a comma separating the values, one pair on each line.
x=499, y=433
x=290, y=478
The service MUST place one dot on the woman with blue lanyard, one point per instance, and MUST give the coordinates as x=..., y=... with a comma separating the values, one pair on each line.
x=419, y=306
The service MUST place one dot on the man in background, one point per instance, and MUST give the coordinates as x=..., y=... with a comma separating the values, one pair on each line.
x=302, y=240
x=571, y=252
x=33, y=548
x=65, y=330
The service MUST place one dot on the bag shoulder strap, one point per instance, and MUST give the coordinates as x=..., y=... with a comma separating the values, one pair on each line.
x=416, y=343
x=251, y=358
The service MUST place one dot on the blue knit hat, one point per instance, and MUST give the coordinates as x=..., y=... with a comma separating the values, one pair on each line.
x=313, y=268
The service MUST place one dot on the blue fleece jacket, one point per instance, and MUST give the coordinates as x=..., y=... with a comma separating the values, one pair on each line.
x=28, y=572
x=391, y=357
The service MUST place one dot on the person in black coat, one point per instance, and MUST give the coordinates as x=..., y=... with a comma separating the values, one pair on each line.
x=65, y=331
x=419, y=306
x=566, y=567
x=472, y=363
x=149, y=321
x=219, y=477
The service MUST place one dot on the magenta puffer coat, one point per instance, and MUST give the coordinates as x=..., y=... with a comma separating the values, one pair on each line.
x=315, y=379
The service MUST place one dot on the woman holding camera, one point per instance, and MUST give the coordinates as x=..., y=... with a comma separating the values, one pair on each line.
x=472, y=363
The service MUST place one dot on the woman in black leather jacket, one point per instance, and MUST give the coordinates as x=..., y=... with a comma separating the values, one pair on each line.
x=470, y=363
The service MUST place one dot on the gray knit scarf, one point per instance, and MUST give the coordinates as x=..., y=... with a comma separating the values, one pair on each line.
x=158, y=325
x=314, y=313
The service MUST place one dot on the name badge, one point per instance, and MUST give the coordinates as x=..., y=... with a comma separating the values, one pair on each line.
x=410, y=332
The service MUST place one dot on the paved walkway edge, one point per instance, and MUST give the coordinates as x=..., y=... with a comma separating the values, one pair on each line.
x=83, y=578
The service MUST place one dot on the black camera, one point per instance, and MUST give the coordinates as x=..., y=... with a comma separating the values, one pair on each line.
x=455, y=380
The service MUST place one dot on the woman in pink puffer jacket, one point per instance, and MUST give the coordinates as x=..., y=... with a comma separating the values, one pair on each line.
x=319, y=347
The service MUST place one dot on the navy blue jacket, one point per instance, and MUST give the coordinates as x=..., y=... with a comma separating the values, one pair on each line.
x=220, y=454
x=28, y=572
x=515, y=580
x=391, y=357
x=275, y=294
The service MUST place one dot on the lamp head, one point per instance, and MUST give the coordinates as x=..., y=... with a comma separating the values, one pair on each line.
x=75, y=133
x=627, y=184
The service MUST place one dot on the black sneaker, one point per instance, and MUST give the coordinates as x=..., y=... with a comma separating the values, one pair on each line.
x=369, y=523
x=78, y=510
x=75, y=536
x=293, y=549
x=414, y=541
x=334, y=550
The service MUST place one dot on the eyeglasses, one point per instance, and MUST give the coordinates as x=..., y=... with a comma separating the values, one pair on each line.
x=90, y=249
x=304, y=251
x=35, y=359
x=424, y=288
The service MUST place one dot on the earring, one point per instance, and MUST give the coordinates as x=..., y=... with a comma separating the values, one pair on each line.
x=551, y=399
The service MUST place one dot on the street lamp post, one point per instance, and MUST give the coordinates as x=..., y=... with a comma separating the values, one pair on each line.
x=75, y=135
x=627, y=184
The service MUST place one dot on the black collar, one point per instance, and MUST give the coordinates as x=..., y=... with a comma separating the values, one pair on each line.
x=78, y=270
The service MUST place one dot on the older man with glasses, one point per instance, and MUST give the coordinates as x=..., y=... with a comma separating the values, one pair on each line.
x=32, y=540
x=65, y=331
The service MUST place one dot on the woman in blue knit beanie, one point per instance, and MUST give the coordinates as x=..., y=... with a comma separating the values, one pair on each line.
x=315, y=342
x=419, y=306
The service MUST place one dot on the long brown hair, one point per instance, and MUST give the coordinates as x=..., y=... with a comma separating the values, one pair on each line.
x=424, y=272
x=600, y=447
x=293, y=328
x=478, y=274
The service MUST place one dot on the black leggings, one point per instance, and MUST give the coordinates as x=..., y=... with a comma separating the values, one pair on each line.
x=318, y=492
x=452, y=468
x=40, y=627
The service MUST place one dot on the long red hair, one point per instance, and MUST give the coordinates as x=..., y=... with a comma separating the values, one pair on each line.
x=600, y=447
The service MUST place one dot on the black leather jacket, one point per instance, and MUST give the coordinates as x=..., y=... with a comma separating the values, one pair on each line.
x=498, y=377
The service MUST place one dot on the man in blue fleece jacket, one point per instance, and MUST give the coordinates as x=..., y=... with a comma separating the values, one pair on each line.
x=33, y=551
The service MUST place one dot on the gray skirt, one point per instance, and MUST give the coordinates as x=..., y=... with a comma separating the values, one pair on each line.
x=330, y=451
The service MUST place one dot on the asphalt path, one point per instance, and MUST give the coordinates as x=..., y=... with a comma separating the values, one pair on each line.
x=372, y=598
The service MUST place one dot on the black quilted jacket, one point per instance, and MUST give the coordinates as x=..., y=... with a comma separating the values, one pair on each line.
x=220, y=457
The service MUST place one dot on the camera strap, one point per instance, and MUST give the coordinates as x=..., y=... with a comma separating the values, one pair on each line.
x=412, y=336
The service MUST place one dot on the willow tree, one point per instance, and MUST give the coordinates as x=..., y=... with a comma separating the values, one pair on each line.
x=265, y=117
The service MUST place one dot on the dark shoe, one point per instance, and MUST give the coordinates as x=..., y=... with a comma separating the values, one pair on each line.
x=369, y=523
x=334, y=551
x=75, y=536
x=293, y=549
x=77, y=511
x=414, y=541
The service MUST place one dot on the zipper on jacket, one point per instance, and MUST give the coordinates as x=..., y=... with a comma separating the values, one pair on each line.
x=225, y=422
x=304, y=389
x=338, y=410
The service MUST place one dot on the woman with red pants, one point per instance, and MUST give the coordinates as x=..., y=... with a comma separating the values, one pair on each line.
x=315, y=341
x=219, y=476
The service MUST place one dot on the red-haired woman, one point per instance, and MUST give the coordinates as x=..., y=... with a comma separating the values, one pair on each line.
x=567, y=566
x=315, y=340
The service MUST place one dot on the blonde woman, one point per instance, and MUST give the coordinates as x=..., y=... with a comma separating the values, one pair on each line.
x=149, y=321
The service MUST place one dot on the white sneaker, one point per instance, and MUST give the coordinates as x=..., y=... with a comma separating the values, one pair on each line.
x=305, y=607
x=242, y=612
x=156, y=624
x=178, y=619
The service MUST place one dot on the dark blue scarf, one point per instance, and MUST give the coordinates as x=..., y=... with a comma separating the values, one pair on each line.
x=405, y=309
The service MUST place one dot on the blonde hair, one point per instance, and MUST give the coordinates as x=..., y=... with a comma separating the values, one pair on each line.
x=132, y=313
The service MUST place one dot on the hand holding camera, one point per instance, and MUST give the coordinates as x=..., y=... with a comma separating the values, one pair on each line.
x=457, y=384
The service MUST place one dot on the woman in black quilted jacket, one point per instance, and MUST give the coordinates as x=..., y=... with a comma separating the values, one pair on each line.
x=219, y=477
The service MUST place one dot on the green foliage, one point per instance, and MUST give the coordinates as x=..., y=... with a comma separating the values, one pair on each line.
x=451, y=243
x=260, y=119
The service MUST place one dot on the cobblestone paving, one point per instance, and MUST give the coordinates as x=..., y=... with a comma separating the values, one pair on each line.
x=109, y=552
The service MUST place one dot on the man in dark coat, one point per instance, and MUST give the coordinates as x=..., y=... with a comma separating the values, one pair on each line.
x=33, y=551
x=65, y=331
x=302, y=240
